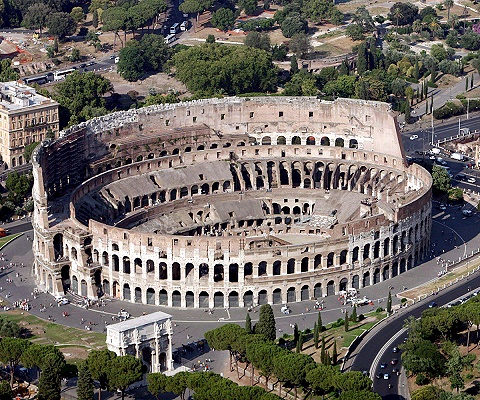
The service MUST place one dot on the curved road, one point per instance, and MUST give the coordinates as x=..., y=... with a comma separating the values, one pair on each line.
x=374, y=342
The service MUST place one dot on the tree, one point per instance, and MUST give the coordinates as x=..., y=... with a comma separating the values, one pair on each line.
x=389, y=301
x=354, y=317
x=77, y=14
x=362, y=59
x=61, y=24
x=258, y=40
x=293, y=368
x=6, y=392
x=296, y=334
x=321, y=379
x=355, y=32
x=334, y=353
x=155, y=52
x=178, y=383
x=300, y=45
x=352, y=381
x=226, y=337
x=448, y=4
x=266, y=323
x=300, y=343
x=97, y=362
x=82, y=95
x=36, y=16
x=315, y=335
x=195, y=6
x=441, y=179
x=131, y=65
x=248, y=6
x=422, y=356
x=95, y=18
x=85, y=382
x=248, y=324
x=346, y=321
x=75, y=56
x=403, y=13
x=294, y=23
x=322, y=10
x=11, y=349
x=223, y=19
x=293, y=65
x=426, y=393
x=123, y=371
x=362, y=18
x=7, y=73
x=52, y=363
x=157, y=383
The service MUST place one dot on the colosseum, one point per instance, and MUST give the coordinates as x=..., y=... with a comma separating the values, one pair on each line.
x=229, y=202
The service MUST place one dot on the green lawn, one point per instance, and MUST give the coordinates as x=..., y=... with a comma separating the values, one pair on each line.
x=7, y=238
x=45, y=332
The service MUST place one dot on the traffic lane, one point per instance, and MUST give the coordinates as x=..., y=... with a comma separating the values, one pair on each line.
x=24, y=227
x=382, y=385
x=365, y=357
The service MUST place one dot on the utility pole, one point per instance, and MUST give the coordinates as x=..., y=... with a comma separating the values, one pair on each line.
x=433, y=131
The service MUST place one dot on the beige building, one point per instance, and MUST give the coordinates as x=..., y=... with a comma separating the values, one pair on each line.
x=25, y=117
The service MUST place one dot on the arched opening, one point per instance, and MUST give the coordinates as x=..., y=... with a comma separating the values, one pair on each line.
x=150, y=296
x=248, y=298
x=162, y=270
x=106, y=287
x=262, y=268
x=126, y=265
x=296, y=140
x=233, y=299
x=281, y=140
x=74, y=284
x=317, y=291
x=353, y=144
x=233, y=273
x=343, y=257
x=163, y=297
x=343, y=284
x=138, y=295
x=291, y=295
x=291, y=266
x=310, y=141
x=176, y=299
x=189, y=299
x=325, y=141
x=277, y=296
x=218, y=300
x=58, y=246
x=366, y=279
x=304, y=265
x=126, y=292
x=356, y=282
x=203, y=270
x=304, y=293
x=83, y=288
x=262, y=297
x=376, y=276
x=116, y=290
x=203, y=300
x=339, y=142
x=65, y=275
x=330, y=288
x=277, y=267
x=176, y=271
x=218, y=273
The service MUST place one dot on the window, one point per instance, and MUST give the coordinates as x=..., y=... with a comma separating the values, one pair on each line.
x=310, y=114
x=167, y=122
x=194, y=119
x=280, y=114
x=222, y=116
x=252, y=114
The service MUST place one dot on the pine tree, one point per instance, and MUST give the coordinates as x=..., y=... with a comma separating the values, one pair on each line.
x=407, y=111
x=315, y=335
x=346, y=321
x=300, y=343
x=319, y=322
x=55, y=45
x=49, y=386
x=389, y=302
x=362, y=62
x=266, y=323
x=248, y=324
x=95, y=18
x=354, y=314
x=323, y=351
x=295, y=334
x=344, y=69
x=328, y=360
x=335, y=353
x=85, y=382
x=293, y=65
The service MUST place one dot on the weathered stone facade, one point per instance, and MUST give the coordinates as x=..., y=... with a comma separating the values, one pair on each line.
x=229, y=203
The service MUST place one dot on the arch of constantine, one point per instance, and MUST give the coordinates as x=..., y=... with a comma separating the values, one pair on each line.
x=229, y=202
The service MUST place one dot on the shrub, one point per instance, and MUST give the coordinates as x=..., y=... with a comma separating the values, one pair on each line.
x=379, y=310
x=450, y=109
x=361, y=317
x=404, y=300
x=421, y=379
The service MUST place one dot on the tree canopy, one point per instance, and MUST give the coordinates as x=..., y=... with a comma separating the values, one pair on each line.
x=123, y=371
x=213, y=69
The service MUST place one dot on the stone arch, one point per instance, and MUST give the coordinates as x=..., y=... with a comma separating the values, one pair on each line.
x=356, y=281
x=291, y=295
x=163, y=297
x=75, y=284
x=291, y=266
x=317, y=291
x=304, y=293
x=233, y=299
x=277, y=296
x=218, y=273
x=296, y=140
x=324, y=141
x=176, y=299
x=339, y=142
x=150, y=296
x=281, y=140
x=343, y=284
x=162, y=270
x=126, y=265
x=266, y=140
x=304, y=264
x=126, y=295
x=138, y=295
x=353, y=144
x=376, y=276
x=277, y=267
x=218, y=300
x=366, y=279
x=262, y=297
x=176, y=275
x=248, y=298
x=310, y=141
x=330, y=288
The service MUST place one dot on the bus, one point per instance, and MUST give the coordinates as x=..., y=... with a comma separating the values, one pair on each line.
x=170, y=38
x=174, y=28
x=36, y=79
x=60, y=75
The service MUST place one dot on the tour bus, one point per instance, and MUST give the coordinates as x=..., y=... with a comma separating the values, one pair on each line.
x=60, y=75
x=36, y=79
x=170, y=38
x=174, y=28
x=184, y=26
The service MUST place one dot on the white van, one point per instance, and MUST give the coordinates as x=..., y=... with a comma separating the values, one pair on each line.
x=184, y=26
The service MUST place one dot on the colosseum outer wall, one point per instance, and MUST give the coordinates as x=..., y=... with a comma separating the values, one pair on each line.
x=167, y=269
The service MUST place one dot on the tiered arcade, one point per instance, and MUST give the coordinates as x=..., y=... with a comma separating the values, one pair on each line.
x=229, y=203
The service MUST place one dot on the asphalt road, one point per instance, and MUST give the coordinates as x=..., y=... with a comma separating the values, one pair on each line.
x=365, y=358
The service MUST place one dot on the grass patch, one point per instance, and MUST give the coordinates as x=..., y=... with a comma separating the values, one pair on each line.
x=46, y=332
x=6, y=239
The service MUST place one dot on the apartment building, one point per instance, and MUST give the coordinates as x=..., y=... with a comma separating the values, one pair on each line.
x=25, y=117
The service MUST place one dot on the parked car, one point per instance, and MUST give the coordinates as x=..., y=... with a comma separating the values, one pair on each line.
x=413, y=137
x=471, y=180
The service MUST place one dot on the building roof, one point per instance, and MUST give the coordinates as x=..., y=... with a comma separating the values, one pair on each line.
x=138, y=322
x=17, y=96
